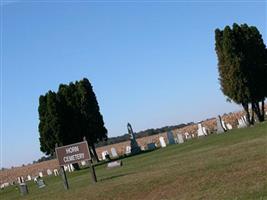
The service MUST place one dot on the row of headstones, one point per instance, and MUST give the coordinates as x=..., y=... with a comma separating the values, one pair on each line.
x=68, y=168
x=202, y=131
x=150, y=146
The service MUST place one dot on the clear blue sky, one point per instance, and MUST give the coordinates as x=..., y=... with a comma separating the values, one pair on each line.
x=151, y=63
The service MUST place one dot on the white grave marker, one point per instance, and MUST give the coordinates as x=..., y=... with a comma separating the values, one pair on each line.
x=162, y=142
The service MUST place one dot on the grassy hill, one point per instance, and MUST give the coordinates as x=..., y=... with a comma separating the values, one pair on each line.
x=226, y=166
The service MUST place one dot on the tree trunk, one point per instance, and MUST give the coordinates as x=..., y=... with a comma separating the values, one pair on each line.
x=246, y=108
x=95, y=154
x=263, y=109
x=258, y=111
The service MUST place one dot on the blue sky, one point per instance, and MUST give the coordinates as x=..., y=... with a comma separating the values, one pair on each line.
x=151, y=63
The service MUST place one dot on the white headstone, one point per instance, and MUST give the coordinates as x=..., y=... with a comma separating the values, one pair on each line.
x=56, y=172
x=204, y=130
x=180, y=138
x=41, y=174
x=104, y=153
x=114, y=164
x=200, y=132
x=49, y=172
x=242, y=122
x=162, y=142
x=128, y=150
x=114, y=152
x=29, y=178
x=229, y=126
x=83, y=163
x=187, y=136
x=72, y=168
x=22, y=179
x=223, y=125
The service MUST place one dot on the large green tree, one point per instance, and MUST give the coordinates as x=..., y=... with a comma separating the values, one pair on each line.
x=242, y=65
x=70, y=115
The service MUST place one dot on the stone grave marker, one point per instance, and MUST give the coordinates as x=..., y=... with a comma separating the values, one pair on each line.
x=29, y=178
x=187, y=136
x=114, y=164
x=128, y=150
x=180, y=138
x=162, y=142
x=114, y=152
x=220, y=128
x=170, y=137
x=229, y=126
x=49, y=172
x=134, y=146
x=151, y=146
x=41, y=174
x=200, y=132
x=104, y=153
x=56, y=172
x=40, y=183
x=83, y=163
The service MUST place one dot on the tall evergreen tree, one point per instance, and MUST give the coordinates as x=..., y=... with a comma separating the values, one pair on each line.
x=69, y=115
x=242, y=65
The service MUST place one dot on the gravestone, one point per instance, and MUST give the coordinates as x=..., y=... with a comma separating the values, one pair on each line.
x=65, y=168
x=242, y=123
x=151, y=146
x=204, y=130
x=220, y=128
x=170, y=137
x=143, y=148
x=49, y=172
x=180, y=138
x=224, y=125
x=114, y=152
x=41, y=174
x=23, y=189
x=200, y=132
x=162, y=142
x=229, y=126
x=83, y=163
x=56, y=172
x=134, y=146
x=187, y=136
x=128, y=150
x=40, y=183
x=72, y=168
x=114, y=164
x=19, y=180
x=104, y=153
x=29, y=178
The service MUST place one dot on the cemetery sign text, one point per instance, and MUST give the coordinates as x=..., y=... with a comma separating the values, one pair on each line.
x=73, y=153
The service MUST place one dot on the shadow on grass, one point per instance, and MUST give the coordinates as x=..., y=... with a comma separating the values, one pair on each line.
x=115, y=176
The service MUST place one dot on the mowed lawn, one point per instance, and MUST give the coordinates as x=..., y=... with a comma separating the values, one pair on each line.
x=226, y=166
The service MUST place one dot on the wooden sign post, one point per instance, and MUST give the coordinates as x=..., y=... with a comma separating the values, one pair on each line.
x=74, y=153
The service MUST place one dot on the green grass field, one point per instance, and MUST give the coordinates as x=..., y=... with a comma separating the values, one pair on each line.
x=226, y=166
